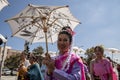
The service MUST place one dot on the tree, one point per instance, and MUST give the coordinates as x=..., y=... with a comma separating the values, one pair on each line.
x=89, y=53
x=12, y=62
x=38, y=51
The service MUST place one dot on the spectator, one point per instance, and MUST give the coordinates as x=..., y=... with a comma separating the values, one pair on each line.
x=33, y=72
x=100, y=67
x=24, y=63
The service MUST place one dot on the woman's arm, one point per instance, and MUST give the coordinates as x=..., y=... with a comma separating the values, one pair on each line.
x=62, y=75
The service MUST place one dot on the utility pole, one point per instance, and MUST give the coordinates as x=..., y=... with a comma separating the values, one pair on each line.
x=2, y=40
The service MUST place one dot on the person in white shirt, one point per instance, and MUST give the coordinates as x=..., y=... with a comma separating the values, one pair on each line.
x=24, y=64
x=24, y=60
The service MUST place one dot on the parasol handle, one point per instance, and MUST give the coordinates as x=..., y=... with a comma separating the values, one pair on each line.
x=45, y=31
x=46, y=42
x=46, y=54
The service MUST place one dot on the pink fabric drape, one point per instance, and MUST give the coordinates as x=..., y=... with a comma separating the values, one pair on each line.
x=60, y=60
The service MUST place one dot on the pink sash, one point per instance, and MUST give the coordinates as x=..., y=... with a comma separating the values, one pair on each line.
x=59, y=61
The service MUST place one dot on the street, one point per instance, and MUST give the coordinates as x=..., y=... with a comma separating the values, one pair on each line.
x=9, y=78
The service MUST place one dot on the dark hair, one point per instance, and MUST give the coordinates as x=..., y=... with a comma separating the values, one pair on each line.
x=65, y=31
x=1, y=41
x=24, y=53
x=109, y=59
x=66, y=27
x=100, y=48
x=33, y=57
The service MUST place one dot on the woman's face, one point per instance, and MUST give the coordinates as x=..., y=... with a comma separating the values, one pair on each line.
x=63, y=43
x=98, y=53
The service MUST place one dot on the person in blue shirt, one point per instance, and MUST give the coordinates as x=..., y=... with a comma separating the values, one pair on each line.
x=33, y=71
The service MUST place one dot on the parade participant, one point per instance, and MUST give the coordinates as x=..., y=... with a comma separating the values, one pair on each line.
x=100, y=67
x=66, y=66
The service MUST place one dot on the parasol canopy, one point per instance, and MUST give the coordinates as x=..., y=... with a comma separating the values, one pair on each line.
x=3, y=3
x=37, y=23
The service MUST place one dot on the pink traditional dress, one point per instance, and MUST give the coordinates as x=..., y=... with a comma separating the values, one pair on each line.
x=74, y=70
x=102, y=68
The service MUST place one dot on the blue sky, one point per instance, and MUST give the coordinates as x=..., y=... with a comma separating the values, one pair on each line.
x=100, y=22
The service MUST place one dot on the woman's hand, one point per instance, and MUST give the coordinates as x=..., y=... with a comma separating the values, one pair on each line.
x=50, y=64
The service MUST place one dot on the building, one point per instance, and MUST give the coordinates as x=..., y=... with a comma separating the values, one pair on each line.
x=8, y=51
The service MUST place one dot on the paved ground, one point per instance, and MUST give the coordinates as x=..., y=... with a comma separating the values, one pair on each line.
x=9, y=78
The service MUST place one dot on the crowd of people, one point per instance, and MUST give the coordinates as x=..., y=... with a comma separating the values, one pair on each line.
x=29, y=70
x=67, y=65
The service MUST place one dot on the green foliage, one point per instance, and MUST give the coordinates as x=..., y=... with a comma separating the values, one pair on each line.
x=12, y=62
x=89, y=53
x=38, y=51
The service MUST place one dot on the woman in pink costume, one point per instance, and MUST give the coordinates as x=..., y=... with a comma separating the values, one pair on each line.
x=100, y=67
x=66, y=66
